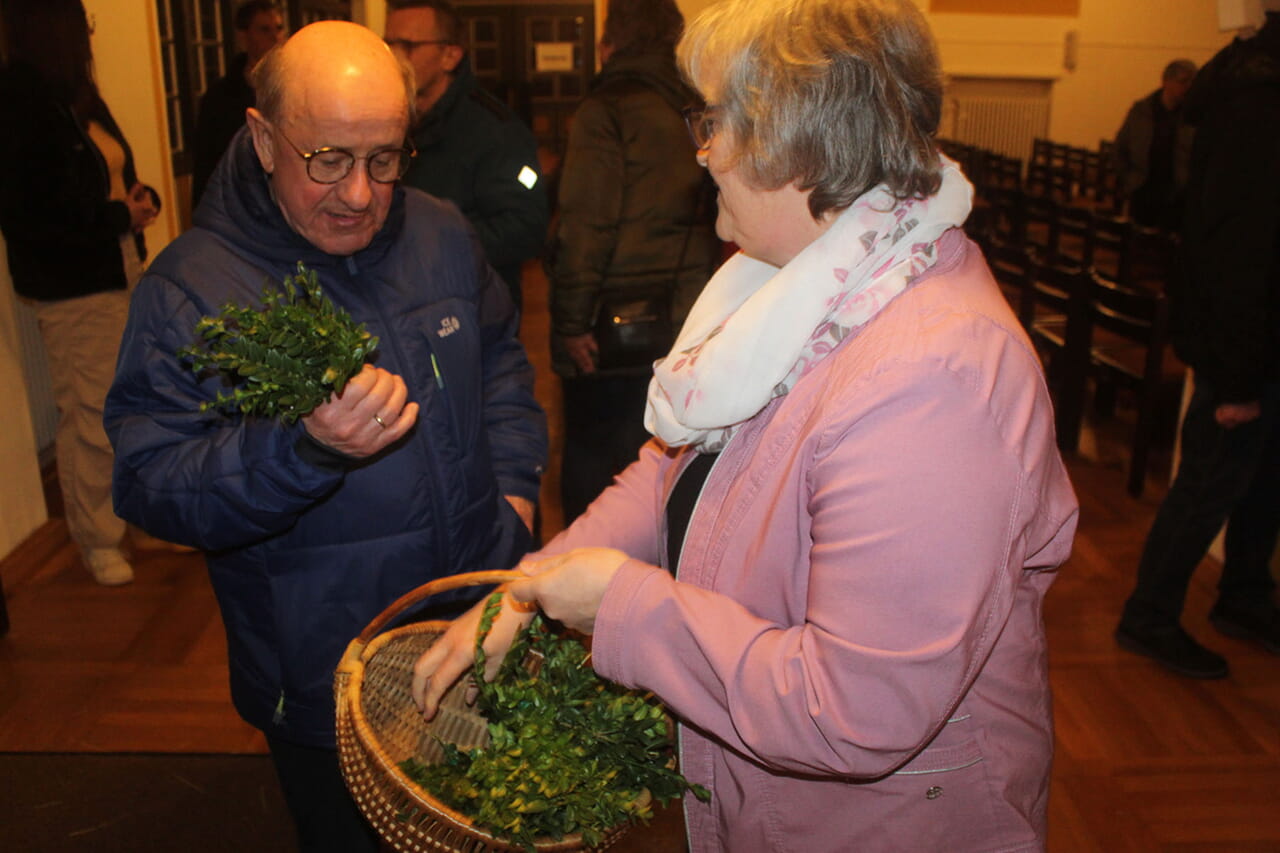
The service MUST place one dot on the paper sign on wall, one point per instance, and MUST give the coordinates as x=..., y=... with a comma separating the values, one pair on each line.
x=554, y=56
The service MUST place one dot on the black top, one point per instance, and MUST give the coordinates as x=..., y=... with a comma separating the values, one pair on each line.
x=684, y=497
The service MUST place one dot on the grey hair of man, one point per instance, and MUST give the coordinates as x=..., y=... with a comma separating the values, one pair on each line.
x=1179, y=69
x=839, y=96
x=270, y=81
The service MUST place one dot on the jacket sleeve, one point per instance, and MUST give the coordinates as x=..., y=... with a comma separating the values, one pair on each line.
x=916, y=516
x=510, y=216
x=48, y=198
x=590, y=206
x=516, y=424
x=1236, y=271
x=199, y=478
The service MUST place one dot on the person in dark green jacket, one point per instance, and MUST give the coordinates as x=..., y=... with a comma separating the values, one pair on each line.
x=472, y=149
x=635, y=216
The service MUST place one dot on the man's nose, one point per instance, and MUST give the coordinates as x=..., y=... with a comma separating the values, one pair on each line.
x=356, y=189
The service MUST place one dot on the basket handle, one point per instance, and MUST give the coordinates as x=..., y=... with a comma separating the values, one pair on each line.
x=431, y=588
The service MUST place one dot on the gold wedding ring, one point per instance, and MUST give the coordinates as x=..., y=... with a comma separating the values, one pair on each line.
x=380, y=421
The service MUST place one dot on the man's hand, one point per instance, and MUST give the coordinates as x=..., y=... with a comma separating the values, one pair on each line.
x=368, y=415
x=569, y=587
x=1232, y=415
x=583, y=350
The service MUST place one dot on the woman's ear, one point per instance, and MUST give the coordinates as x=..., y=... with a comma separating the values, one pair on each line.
x=263, y=143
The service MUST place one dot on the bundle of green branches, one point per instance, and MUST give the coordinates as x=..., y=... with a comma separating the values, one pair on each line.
x=568, y=751
x=285, y=359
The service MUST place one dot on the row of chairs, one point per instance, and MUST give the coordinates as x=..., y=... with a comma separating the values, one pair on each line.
x=1092, y=330
x=1131, y=254
x=1074, y=175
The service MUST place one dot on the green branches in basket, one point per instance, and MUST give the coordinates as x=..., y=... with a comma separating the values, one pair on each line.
x=568, y=751
x=285, y=359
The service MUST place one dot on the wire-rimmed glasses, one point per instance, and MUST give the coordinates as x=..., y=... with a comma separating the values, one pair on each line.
x=702, y=122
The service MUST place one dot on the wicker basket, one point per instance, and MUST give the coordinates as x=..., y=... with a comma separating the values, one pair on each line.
x=379, y=726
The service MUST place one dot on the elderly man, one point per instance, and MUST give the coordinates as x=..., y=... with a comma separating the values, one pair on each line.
x=311, y=529
x=1149, y=145
x=472, y=150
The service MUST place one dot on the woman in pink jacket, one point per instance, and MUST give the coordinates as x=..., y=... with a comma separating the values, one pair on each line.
x=830, y=563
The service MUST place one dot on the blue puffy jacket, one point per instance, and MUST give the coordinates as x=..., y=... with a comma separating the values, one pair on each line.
x=306, y=546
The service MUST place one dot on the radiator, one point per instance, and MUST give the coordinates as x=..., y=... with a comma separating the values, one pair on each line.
x=1007, y=125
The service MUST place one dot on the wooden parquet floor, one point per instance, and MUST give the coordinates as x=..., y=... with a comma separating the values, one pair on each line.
x=1146, y=761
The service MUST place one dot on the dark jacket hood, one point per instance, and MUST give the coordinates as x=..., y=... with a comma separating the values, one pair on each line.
x=1244, y=64
x=239, y=208
x=656, y=71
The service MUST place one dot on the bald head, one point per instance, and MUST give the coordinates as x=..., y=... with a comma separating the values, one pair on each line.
x=329, y=64
x=332, y=102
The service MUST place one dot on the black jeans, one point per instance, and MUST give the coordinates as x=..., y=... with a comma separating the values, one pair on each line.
x=325, y=816
x=1229, y=476
x=603, y=433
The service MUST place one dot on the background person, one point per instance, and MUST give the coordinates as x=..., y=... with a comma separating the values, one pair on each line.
x=472, y=150
x=635, y=217
x=259, y=27
x=1147, y=148
x=313, y=528
x=856, y=482
x=72, y=211
x=1225, y=309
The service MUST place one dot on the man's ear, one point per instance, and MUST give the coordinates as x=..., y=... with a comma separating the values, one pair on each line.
x=263, y=143
x=450, y=57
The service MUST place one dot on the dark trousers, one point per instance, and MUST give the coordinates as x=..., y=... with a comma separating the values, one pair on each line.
x=1229, y=476
x=325, y=816
x=603, y=433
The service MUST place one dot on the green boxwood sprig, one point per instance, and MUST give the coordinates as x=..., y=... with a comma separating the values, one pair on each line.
x=286, y=358
x=568, y=751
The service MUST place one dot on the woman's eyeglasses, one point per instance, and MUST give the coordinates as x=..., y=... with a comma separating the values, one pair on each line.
x=702, y=124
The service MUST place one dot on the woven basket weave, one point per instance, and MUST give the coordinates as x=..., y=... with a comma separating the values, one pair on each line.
x=379, y=726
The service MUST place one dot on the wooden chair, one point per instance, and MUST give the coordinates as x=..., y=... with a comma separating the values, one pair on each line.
x=1011, y=266
x=1111, y=253
x=1055, y=314
x=1127, y=328
x=1050, y=181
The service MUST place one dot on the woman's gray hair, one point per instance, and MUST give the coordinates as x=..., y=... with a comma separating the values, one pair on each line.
x=838, y=96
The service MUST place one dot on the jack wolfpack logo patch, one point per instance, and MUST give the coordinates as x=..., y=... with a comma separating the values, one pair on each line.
x=448, y=326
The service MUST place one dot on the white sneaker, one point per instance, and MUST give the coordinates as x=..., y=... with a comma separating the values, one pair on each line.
x=108, y=566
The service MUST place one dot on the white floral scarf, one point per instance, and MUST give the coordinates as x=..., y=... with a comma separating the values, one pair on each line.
x=757, y=329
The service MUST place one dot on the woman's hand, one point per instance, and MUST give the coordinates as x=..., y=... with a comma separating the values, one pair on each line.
x=454, y=653
x=584, y=350
x=568, y=587
x=142, y=211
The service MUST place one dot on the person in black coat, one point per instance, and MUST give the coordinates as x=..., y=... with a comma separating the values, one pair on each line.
x=1225, y=306
x=72, y=211
x=259, y=27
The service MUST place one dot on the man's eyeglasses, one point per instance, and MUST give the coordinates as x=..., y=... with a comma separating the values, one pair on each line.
x=409, y=45
x=702, y=123
x=330, y=165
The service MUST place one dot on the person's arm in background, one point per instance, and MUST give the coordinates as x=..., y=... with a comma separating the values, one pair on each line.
x=1240, y=204
x=511, y=209
x=590, y=205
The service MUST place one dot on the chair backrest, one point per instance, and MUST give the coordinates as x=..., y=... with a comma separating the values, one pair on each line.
x=1138, y=315
x=1111, y=252
x=1072, y=235
x=1059, y=328
x=1011, y=266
